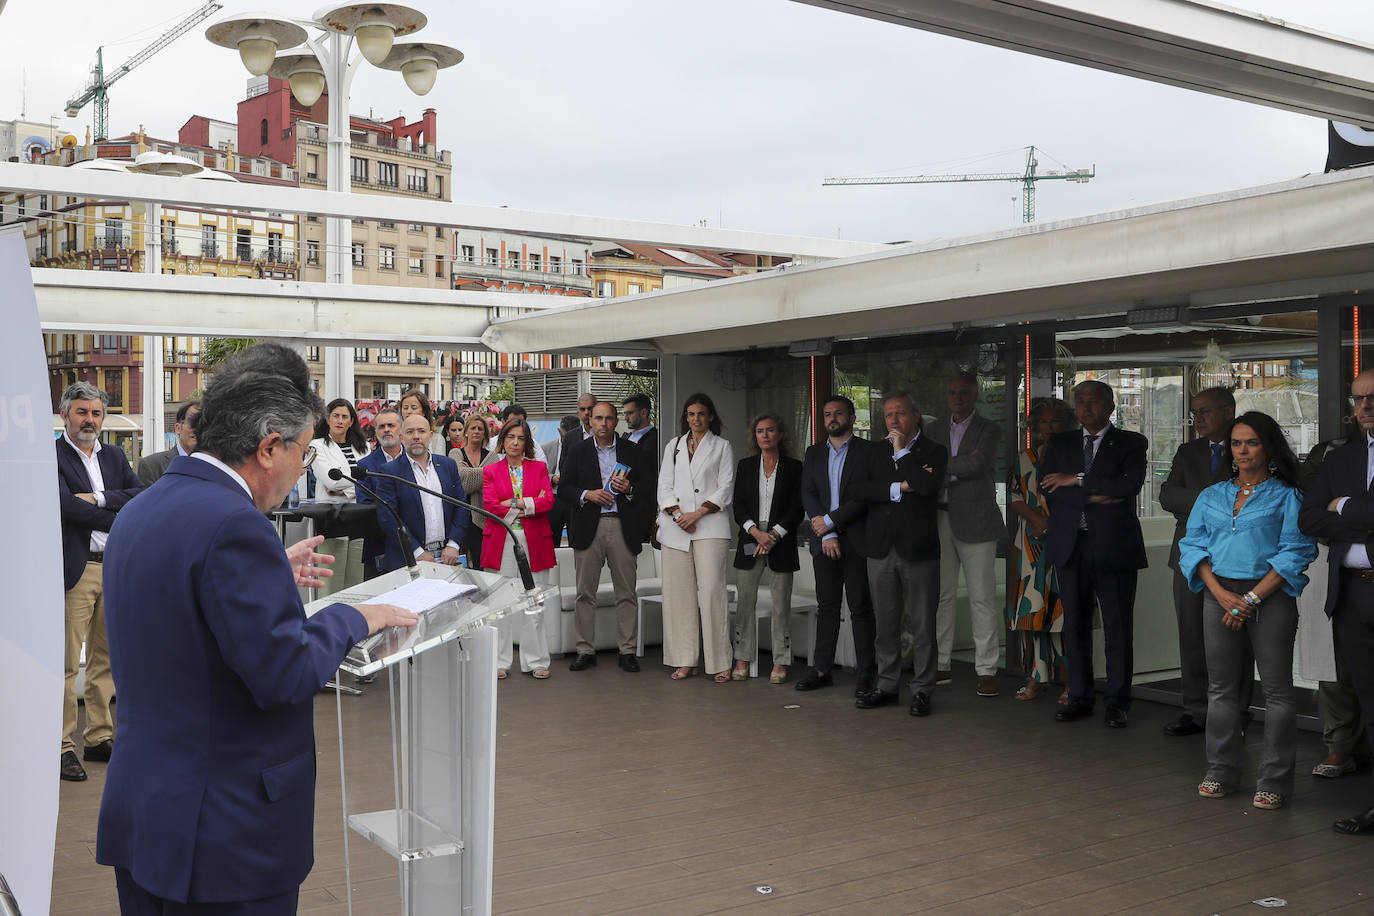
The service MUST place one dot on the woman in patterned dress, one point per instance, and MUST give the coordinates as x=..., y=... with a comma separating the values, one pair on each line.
x=1035, y=609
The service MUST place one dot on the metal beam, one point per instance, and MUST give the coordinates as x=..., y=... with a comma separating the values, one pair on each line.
x=43, y=179
x=1315, y=230
x=318, y=313
x=1187, y=43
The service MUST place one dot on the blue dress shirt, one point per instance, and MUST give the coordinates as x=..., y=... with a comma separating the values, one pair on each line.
x=1263, y=536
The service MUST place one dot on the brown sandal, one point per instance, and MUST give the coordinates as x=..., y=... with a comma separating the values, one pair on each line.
x=721, y=677
x=681, y=674
x=1031, y=690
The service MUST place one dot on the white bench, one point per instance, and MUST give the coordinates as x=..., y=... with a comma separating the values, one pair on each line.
x=558, y=615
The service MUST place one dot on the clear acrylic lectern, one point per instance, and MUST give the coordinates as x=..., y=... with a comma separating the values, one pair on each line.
x=442, y=676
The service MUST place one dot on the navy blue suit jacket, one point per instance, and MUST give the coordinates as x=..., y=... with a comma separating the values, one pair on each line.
x=80, y=518
x=909, y=525
x=851, y=515
x=1118, y=472
x=1342, y=474
x=407, y=502
x=210, y=794
x=374, y=461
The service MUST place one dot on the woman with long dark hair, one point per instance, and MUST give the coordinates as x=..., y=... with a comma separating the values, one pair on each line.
x=768, y=509
x=339, y=443
x=1244, y=547
x=695, y=486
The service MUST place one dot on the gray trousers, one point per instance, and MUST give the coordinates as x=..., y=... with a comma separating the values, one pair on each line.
x=898, y=585
x=1192, y=654
x=1269, y=634
x=744, y=622
x=608, y=548
x=1342, y=717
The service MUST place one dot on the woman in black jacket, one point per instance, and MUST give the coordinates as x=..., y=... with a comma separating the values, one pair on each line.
x=768, y=510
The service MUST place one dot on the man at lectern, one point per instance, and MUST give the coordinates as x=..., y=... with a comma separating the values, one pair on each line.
x=210, y=796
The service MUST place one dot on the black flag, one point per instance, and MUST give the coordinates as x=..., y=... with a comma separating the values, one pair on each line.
x=1348, y=146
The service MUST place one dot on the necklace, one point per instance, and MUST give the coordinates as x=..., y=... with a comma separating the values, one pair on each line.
x=1247, y=488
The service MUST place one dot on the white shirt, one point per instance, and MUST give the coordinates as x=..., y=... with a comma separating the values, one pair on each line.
x=92, y=466
x=1357, y=557
x=635, y=435
x=433, y=506
x=767, y=484
x=233, y=474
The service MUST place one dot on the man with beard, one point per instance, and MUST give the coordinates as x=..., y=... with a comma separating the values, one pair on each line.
x=832, y=472
x=435, y=527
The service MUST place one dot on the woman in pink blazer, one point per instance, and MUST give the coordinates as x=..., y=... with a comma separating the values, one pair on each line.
x=519, y=489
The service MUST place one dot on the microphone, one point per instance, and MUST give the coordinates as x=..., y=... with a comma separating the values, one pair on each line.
x=407, y=549
x=522, y=559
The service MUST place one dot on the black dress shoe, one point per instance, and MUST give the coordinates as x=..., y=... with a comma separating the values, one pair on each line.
x=814, y=680
x=920, y=704
x=1115, y=718
x=1183, y=725
x=627, y=662
x=1072, y=712
x=72, y=770
x=583, y=661
x=875, y=698
x=864, y=685
x=99, y=752
x=1360, y=825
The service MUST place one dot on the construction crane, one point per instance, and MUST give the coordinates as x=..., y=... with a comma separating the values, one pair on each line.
x=1028, y=179
x=98, y=84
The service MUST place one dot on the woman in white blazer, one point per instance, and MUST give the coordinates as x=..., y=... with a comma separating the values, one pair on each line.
x=695, y=486
x=339, y=443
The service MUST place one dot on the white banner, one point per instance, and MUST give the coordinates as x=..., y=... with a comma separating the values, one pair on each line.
x=31, y=625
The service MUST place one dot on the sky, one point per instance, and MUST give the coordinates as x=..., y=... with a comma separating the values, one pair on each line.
x=725, y=112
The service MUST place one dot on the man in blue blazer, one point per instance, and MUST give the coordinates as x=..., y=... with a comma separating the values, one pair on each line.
x=94, y=482
x=1340, y=505
x=436, y=528
x=210, y=796
x=387, y=423
x=1091, y=478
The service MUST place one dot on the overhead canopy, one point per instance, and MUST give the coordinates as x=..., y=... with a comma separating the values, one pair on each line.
x=1308, y=236
x=1195, y=45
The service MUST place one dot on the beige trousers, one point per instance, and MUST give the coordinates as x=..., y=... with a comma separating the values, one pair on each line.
x=694, y=605
x=85, y=615
x=607, y=548
x=744, y=622
x=348, y=564
x=529, y=628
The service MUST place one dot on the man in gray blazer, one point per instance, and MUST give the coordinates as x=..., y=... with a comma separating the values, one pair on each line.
x=151, y=467
x=970, y=522
x=1197, y=465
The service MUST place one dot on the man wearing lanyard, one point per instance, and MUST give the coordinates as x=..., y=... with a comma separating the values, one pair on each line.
x=832, y=472
x=94, y=482
x=1340, y=506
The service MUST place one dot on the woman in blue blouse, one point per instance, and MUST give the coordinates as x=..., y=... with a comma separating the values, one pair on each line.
x=1243, y=545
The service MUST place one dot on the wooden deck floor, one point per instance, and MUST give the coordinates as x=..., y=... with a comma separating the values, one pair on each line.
x=632, y=793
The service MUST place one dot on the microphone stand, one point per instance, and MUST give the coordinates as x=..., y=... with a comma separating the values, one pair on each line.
x=407, y=548
x=522, y=559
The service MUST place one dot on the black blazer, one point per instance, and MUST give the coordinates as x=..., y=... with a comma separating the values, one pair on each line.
x=580, y=471
x=786, y=511
x=909, y=525
x=153, y=466
x=80, y=518
x=1190, y=474
x=1341, y=474
x=1119, y=472
x=851, y=516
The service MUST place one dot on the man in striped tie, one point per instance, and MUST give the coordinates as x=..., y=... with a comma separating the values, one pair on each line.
x=1197, y=465
x=1092, y=479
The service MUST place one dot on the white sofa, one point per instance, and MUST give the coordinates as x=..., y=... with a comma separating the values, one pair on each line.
x=558, y=615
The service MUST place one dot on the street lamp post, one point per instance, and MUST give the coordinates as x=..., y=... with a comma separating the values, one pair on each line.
x=330, y=65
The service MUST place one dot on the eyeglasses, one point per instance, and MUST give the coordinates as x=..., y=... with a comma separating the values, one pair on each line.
x=307, y=456
x=1201, y=412
x=1358, y=399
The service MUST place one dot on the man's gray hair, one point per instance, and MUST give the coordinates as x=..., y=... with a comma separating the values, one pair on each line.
x=81, y=391
x=378, y=415
x=1102, y=389
x=904, y=394
x=263, y=390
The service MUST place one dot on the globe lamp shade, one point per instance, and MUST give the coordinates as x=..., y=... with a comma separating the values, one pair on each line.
x=257, y=54
x=419, y=74
x=307, y=86
x=375, y=41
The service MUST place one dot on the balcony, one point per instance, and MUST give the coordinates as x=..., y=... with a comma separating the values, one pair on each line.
x=209, y=251
x=169, y=248
x=568, y=278
x=418, y=360
x=68, y=246
x=113, y=241
x=276, y=256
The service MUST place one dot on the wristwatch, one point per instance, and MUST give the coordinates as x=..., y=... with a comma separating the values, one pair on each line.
x=1079, y=475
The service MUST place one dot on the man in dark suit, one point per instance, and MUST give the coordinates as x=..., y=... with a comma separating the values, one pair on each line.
x=1197, y=465
x=832, y=472
x=94, y=482
x=1340, y=506
x=607, y=513
x=209, y=800
x=1091, y=478
x=387, y=424
x=569, y=431
x=153, y=466
x=903, y=550
x=436, y=528
x=637, y=411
